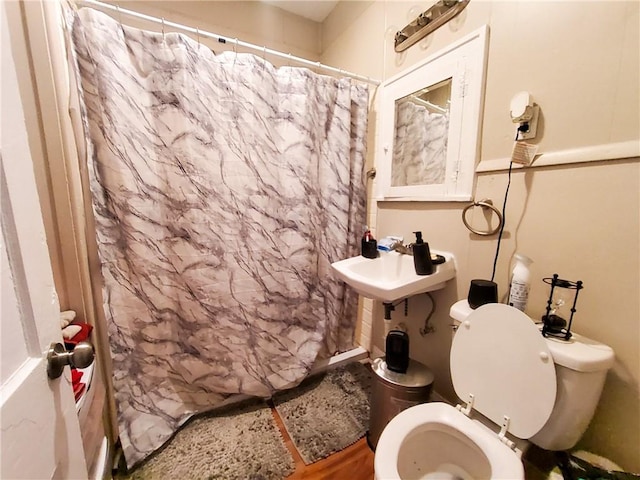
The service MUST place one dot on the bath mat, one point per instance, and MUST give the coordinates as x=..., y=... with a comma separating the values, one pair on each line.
x=328, y=412
x=242, y=442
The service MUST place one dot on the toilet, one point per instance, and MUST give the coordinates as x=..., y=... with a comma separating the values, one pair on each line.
x=514, y=385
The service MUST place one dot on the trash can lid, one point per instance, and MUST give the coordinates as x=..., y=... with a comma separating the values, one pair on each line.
x=417, y=375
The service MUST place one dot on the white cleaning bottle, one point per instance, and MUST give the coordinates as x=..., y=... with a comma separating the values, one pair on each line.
x=520, y=282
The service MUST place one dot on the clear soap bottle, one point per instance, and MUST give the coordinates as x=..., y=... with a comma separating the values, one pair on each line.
x=520, y=282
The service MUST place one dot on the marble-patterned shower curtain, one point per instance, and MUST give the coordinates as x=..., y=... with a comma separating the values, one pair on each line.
x=222, y=190
x=419, y=147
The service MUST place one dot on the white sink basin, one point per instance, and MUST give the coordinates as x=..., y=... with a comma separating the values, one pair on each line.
x=392, y=275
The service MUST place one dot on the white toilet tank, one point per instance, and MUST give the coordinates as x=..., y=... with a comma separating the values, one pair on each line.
x=581, y=369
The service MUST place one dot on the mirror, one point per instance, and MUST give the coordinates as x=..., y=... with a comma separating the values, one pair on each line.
x=430, y=124
x=420, y=139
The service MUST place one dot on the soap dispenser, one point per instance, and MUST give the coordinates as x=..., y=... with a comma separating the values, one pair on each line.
x=368, y=245
x=422, y=256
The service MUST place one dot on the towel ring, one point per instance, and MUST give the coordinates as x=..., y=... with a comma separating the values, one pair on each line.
x=486, y=203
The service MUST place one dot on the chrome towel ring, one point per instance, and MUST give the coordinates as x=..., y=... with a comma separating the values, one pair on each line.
x=485, y=203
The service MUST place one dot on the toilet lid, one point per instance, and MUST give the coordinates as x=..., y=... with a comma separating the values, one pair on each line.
x=500, y=357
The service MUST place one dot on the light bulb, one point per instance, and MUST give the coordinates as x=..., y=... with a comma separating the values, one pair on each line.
x=413, y=12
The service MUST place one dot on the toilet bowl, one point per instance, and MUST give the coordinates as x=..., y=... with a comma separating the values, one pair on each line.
x=445, y=444
x=504, y=372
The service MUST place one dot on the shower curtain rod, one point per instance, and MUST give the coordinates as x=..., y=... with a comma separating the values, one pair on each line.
x=428, y=104
x=223, y=39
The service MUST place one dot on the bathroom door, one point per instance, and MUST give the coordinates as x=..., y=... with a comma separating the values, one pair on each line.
x=40, y=436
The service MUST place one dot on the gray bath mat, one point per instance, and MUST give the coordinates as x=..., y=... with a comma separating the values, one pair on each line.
x=327, y=413
x=239, y=443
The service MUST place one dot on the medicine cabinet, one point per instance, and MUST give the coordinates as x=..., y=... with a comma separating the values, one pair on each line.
x=429, y=129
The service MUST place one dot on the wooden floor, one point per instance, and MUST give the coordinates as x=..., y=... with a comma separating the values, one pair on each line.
x=356, y=461
x=353, y=463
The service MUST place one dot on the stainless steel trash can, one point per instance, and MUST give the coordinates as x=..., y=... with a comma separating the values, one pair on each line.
x=394, y=392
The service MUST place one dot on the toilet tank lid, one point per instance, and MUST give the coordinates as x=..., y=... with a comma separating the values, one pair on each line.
x=581, y=353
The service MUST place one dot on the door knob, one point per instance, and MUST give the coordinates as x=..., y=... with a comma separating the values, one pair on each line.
x=80, y=357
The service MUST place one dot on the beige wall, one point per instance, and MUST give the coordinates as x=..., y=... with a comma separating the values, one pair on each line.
x=580, y=61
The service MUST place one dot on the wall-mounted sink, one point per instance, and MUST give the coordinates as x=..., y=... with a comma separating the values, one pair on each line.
x=392, y=275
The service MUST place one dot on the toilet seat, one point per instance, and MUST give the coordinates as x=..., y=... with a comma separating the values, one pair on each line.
x=501, y=461
x=502, y=367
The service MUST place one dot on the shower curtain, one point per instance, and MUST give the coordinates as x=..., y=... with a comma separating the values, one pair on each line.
x=222, y=189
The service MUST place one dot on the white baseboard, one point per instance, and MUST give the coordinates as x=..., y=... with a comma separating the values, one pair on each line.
x=353, y=355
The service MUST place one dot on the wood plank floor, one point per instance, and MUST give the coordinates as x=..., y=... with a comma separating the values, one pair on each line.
x=356, y=461
x=353, y=463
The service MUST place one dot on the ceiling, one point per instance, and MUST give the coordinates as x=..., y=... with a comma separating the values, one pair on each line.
x=311, y=9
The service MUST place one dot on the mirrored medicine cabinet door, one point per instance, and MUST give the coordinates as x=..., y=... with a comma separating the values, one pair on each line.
x=430, y=124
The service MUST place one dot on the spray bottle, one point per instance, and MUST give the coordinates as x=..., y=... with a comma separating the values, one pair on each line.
x=520, y=282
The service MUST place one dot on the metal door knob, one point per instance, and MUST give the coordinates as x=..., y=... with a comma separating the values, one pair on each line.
x=58, y=357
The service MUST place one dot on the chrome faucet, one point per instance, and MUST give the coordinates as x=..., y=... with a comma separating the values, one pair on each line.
x=402, y=249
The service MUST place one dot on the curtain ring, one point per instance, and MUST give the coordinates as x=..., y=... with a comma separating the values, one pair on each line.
x=198, y=37
x=485, y=203
x=163, y=29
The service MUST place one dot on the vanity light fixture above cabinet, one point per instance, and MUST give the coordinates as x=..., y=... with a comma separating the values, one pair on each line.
x=427, y=22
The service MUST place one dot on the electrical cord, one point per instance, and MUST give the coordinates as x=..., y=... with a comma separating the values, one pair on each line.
x=504, y=221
